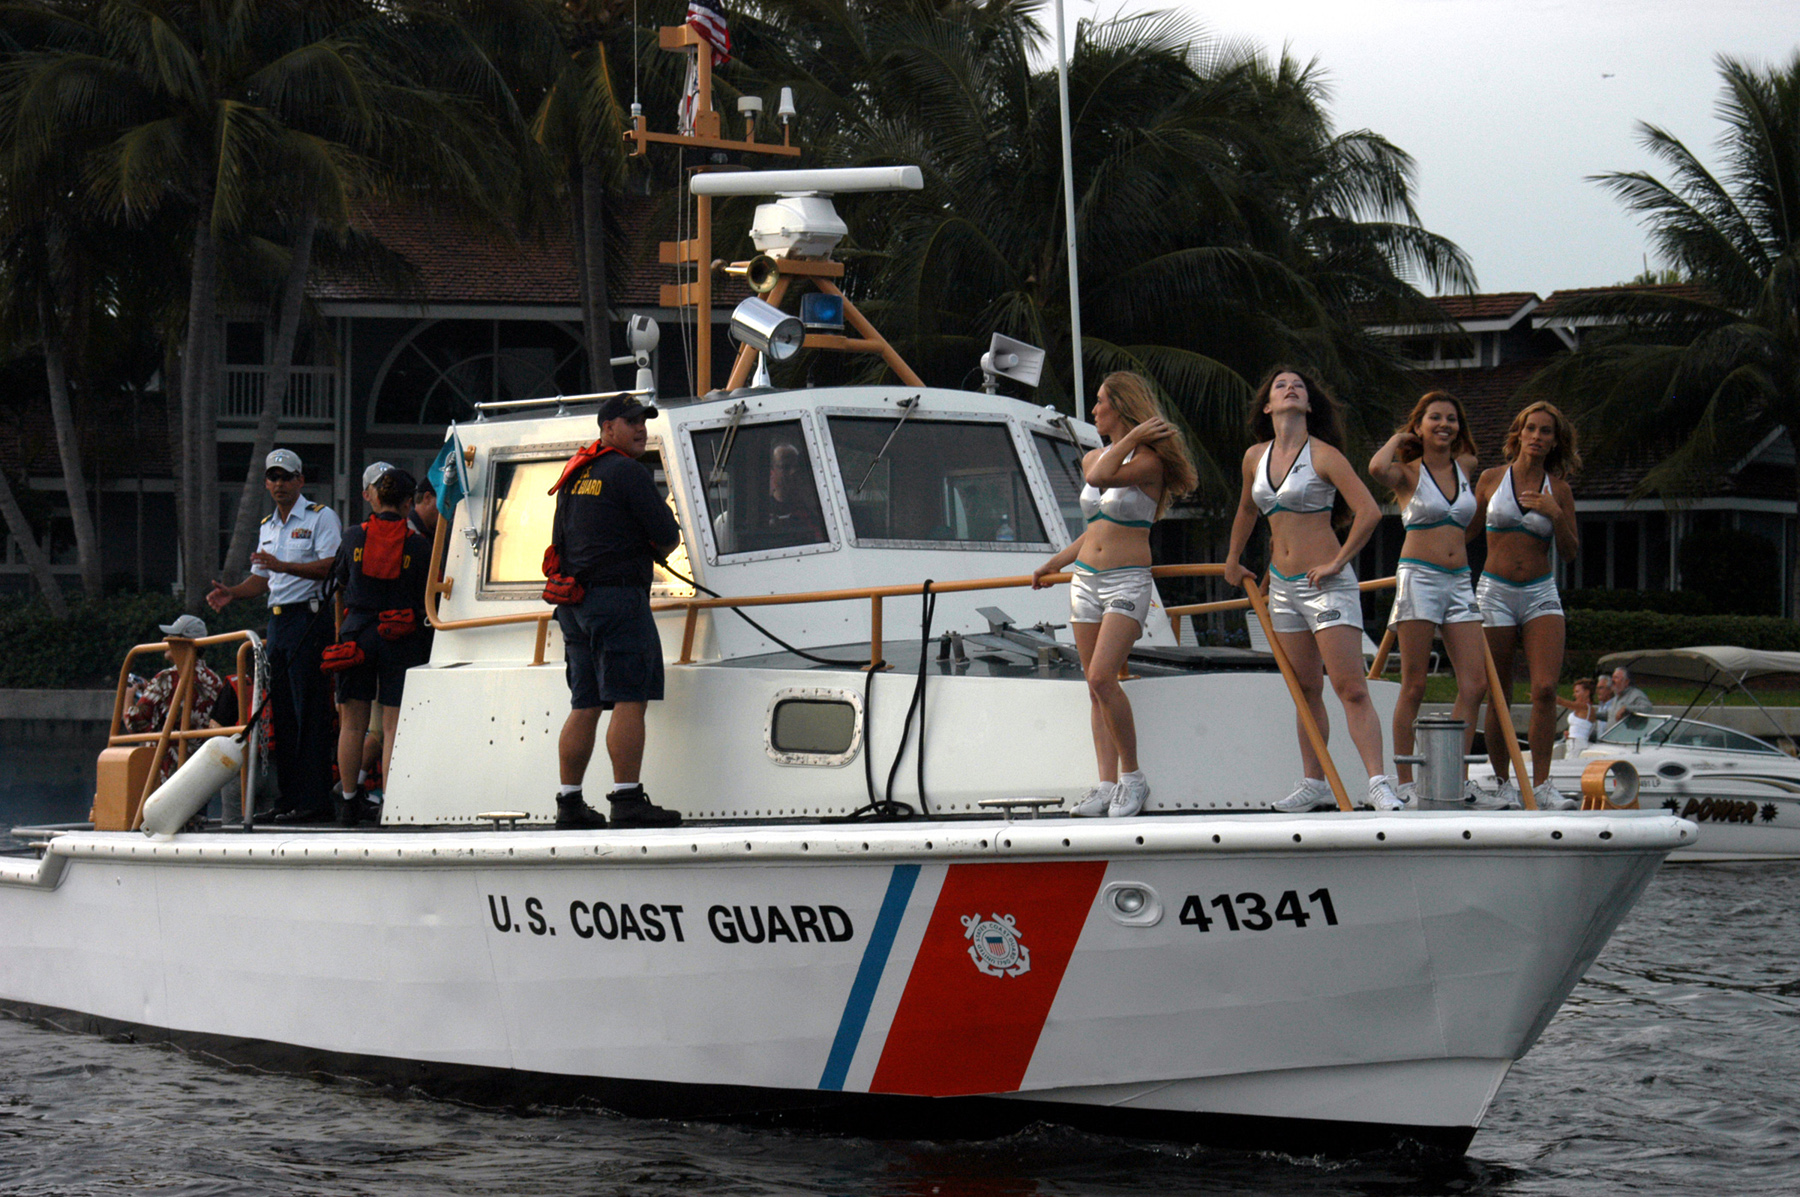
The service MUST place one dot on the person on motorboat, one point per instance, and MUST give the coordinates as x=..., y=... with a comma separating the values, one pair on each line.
x=1427, y=465
x=381, y=570
x=1528, y=508
x=1581, y=718
x=610, y=527
x=1126, y=492
x=1315, y=606
x=296, y=548
x=1627, y=699
x=147, y=706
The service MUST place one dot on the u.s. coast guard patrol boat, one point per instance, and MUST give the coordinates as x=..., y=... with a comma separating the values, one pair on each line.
x=1206, y=971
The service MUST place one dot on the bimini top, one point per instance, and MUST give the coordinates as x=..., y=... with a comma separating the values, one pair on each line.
x=1706, y=663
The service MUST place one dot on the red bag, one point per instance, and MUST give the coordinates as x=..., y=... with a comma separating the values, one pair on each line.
x=397, y=624
x=384, y=548
x=561, y=590
x=346, y=654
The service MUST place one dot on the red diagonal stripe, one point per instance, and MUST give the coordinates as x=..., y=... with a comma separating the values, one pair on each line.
x=959, y=1030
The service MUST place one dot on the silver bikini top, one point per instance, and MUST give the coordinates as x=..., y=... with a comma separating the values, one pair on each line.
x=1505, y=515
x=1127, y=505
x=1303, y=490
x=1430, y=507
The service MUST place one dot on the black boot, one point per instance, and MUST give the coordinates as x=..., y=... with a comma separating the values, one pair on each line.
x=574, y=814
x=632, y=808
x=348, y=810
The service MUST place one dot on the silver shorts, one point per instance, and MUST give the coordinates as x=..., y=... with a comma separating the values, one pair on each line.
x=1514, y=604
x=1433, y=594
x=1296, y=605
x=1094, y=593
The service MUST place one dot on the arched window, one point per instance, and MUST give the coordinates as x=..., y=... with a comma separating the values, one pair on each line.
x=439, y=371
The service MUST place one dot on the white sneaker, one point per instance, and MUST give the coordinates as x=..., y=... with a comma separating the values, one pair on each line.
x=1383, y=794
x=1550, y=798
x=1128, y=796
x=1476, y=798
x=1408, y=793
x=1311, y=794
x=1507, y=796
x=1093, y=804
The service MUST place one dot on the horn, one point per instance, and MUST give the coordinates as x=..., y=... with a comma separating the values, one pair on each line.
x=762, y=273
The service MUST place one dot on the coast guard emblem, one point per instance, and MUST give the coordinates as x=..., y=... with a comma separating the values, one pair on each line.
x=994, y=945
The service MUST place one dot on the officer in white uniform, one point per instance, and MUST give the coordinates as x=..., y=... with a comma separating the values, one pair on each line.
x=295, y=550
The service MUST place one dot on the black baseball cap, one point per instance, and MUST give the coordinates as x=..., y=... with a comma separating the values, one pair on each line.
x=625, y=407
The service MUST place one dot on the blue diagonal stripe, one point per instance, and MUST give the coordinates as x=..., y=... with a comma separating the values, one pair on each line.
x=868, y=976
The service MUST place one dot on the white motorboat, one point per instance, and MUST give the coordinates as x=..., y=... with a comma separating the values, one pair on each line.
x=852, y=928
x=1743, y=790
x=1200, y=971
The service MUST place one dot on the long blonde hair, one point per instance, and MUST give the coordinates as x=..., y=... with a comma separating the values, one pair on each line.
x=1564, y=461
x=1135, y=400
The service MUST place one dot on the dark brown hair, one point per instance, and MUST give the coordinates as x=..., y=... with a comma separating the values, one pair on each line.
x=1465, y=440
x=394, y=487
x=1322, y=419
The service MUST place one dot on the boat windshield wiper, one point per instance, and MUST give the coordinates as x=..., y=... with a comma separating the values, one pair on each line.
x=722, y=454
x=908, y=406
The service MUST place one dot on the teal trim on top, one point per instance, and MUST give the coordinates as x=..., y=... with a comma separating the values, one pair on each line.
x=1123, y=523
x=1442, y=569
x=1440, y=524
x=1527, y=531
x=1278, y=508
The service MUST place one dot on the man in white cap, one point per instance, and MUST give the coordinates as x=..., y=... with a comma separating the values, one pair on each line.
x=296, y=548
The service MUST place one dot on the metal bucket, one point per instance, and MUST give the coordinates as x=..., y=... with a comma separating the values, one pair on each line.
x=1438, y=759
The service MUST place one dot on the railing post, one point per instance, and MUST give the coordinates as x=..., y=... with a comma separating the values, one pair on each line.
x=1378, y=666
x=1307, y=722
x=1498, y=696
x=875, y=632
x=543, y=634
x=687, y=635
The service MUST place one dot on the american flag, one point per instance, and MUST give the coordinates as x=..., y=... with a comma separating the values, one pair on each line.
x=707, y=18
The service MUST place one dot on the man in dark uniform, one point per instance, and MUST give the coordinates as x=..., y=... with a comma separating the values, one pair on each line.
x=610, y=526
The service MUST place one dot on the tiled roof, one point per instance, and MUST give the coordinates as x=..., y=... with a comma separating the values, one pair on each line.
x=459, y=262
x=1553, y=306
x=1498, y=306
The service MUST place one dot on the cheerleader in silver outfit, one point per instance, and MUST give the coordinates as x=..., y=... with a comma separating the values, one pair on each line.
x=1529, y=508
x=1314, y=605
x=1130, y=483
x=1427, y=465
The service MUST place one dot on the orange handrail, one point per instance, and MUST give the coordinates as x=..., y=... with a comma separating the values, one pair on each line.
x=177, y=729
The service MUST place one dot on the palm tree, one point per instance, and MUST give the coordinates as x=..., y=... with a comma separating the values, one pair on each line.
x=255, y=119
x=1223, y=225
x=1708, y=369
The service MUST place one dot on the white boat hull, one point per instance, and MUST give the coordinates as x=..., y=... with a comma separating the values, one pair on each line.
x=1383, y=973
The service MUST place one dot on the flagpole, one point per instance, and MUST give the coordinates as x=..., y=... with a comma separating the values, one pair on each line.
x=1068, y=166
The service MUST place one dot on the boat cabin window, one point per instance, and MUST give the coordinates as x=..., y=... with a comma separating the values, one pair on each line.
x=1062, y=465
x=762, y=492
x=938, y=481
x=813, y=725
x=1682, y=733
x=520, y=512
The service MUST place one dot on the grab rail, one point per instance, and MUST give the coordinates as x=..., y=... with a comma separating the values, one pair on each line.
x=1502, y=710
x=185, y=656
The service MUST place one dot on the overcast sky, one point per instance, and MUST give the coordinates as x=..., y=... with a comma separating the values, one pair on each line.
x=1507, y=105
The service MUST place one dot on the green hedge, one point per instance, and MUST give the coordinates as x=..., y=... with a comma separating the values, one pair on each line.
x=1666, y=602
x=1593, y=634
x=42, y=652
